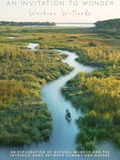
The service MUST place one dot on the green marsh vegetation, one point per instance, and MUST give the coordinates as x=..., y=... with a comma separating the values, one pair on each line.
x=97, y=94
x=24, y=117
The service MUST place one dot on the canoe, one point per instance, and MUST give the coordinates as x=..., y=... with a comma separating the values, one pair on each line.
x=68, y=115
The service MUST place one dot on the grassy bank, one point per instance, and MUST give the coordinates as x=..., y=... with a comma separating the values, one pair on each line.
x=24, y=117
x=97, y=94
x=98, y=97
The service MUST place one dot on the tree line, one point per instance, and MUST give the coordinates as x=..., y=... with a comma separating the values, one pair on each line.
x=108, y=24
x=12, y=23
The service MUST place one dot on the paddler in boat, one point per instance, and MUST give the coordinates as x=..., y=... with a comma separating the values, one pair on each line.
x=68, y=113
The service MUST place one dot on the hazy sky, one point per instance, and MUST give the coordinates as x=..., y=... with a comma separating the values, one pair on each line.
x=59, y=10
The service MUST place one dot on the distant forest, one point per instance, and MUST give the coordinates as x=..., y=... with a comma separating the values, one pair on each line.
x=12, y=23
x=110, y=24
x=107, y=24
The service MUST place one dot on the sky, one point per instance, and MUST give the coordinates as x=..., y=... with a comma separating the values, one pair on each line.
x=80, y=11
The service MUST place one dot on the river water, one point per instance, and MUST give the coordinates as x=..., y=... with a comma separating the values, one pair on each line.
x=32, y=46
x=11, y=37
x=75, y=25
x=61, y=144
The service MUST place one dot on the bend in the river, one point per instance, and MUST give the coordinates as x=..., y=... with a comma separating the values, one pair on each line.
x=64, y=133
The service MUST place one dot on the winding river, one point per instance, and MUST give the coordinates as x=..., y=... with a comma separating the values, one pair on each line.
x=62, y=141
